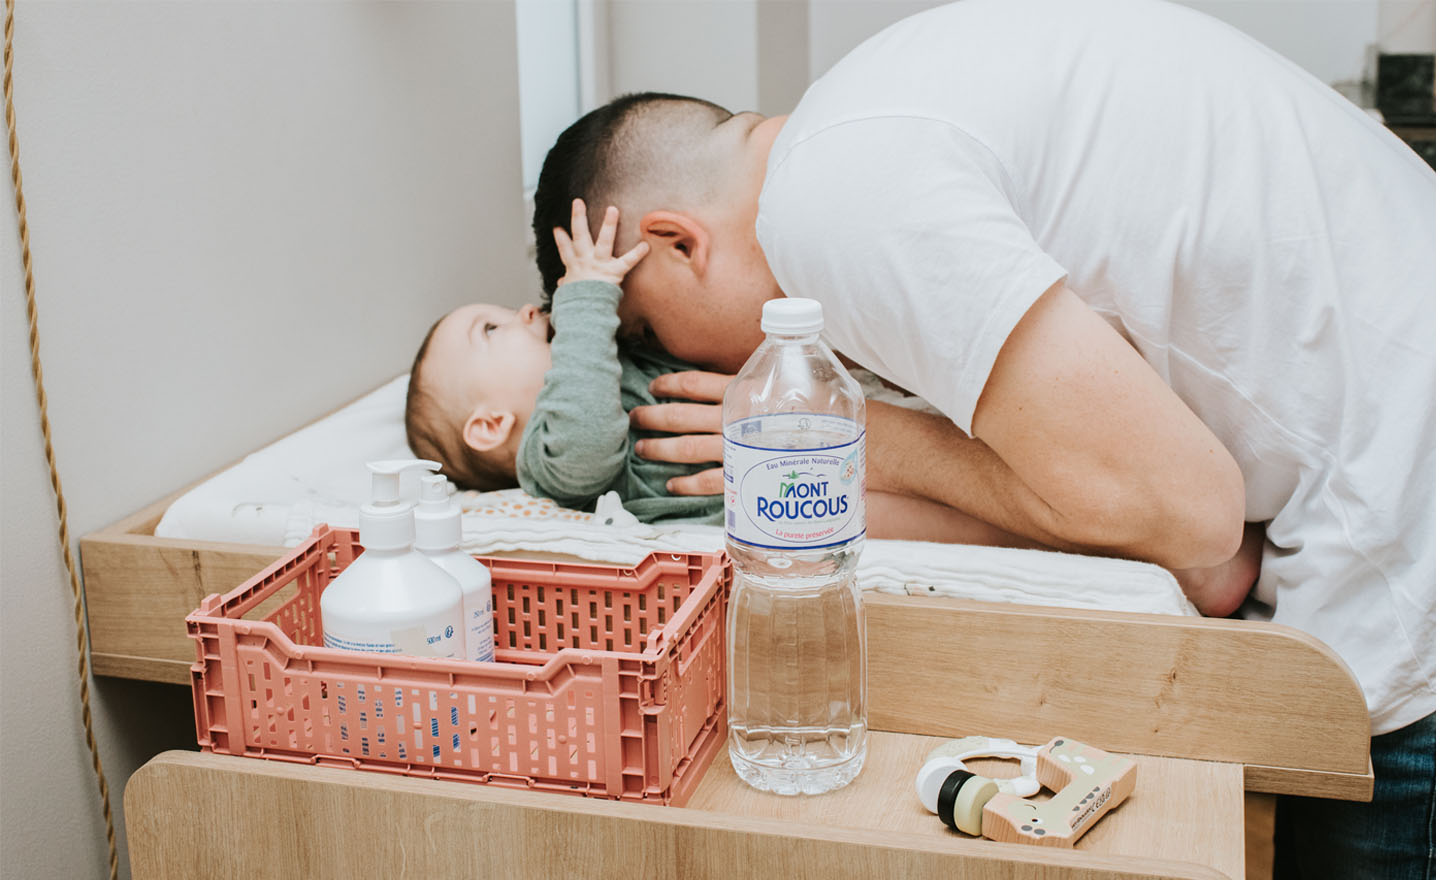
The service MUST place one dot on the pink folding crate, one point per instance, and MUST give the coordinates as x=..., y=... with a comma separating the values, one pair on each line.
x=608, y=682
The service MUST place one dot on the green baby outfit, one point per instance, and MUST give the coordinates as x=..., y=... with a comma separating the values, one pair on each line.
x=579, y=444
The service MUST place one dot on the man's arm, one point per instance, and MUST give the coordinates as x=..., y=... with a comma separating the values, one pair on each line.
x=1078, y=444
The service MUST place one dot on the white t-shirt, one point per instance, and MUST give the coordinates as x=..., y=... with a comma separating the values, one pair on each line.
x=1266, y=246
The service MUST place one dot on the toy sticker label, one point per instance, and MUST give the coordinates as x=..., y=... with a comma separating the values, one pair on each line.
x=789, y=498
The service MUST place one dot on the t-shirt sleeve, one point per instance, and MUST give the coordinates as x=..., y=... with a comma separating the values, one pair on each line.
x=575, y=443
x=911, y=235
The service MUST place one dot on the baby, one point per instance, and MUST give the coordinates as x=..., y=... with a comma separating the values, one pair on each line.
x=502, y=397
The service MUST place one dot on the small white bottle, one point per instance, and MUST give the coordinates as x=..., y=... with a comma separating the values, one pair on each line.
x=437, y=536
x=392, y=599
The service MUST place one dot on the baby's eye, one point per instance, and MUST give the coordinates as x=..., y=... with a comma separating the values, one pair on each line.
x=487, y=328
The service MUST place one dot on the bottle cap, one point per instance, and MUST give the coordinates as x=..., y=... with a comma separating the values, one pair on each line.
x=792, y=316
x=387, y=522
x=437, y=518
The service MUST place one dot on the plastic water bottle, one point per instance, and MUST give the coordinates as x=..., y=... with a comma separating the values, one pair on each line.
x=794, y=525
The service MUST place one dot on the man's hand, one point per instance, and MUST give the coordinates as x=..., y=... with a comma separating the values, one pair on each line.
x=696, y=426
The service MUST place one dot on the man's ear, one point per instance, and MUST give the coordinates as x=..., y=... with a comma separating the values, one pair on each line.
x=487, y=429
x=676, y=236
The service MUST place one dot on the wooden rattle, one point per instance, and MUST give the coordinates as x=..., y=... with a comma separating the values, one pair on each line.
x=965, y=796
x=1087, y=782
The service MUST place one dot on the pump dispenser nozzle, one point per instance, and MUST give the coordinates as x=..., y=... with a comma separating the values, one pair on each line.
x=437, y=519
x=386, y=522
x=385, y=477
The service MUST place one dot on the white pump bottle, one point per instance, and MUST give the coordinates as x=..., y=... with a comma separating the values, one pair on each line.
x=392, y=599
x=437, y=535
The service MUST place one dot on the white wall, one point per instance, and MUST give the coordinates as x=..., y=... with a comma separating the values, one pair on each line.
x=242, y=216
x=761, y=54
x=702, y=48
x=1332, y=39
x=548, y=45
x=1406, y=26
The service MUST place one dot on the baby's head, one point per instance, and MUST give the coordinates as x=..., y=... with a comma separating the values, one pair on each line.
x=473, y=388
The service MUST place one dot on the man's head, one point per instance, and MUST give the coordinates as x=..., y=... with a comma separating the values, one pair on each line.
x=685, y=174
x=473, y=388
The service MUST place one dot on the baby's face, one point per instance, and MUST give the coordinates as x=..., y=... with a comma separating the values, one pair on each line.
x=491, y=355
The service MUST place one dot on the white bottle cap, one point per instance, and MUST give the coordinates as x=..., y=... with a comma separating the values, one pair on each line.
x=387, y=522
x=792, y=316
x=437, y=519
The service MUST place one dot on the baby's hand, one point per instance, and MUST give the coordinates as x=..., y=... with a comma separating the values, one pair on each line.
x=592, y=261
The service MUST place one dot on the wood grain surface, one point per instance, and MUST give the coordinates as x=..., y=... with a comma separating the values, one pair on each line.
x=197, y=815
x=1217, y=690
x=1188, y=811
x=1265, y=696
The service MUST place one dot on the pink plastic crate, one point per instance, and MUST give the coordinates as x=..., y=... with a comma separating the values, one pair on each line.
x=608, y=682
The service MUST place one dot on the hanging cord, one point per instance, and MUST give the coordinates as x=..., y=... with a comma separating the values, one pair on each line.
x=81, y=636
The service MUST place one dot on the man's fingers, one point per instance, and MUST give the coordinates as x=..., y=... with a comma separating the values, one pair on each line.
x=692, y=385
x=711, y=482
x=580, y=227
x=686, y=449
x=605, y=243
x=678, y=418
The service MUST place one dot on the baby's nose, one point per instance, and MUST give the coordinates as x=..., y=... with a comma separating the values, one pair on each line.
x=528, y=313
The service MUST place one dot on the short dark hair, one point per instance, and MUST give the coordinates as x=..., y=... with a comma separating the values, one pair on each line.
x=432, y=433
x=576, y=167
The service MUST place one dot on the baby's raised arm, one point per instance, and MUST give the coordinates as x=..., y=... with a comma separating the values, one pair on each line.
x=576, y=443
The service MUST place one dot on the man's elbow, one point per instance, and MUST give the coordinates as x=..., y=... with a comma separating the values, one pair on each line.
x=1197, y=525
x=1208, y=534
x=1207, y=522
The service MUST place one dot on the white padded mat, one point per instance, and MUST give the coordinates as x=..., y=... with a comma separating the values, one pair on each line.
x=277, y=496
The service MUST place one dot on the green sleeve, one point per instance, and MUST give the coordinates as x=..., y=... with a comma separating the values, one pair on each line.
x=574, y=447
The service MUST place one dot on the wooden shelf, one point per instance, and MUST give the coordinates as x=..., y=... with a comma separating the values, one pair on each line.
x=192, y=815
x=1185, y=811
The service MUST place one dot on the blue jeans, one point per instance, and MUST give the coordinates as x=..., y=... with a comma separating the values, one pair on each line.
x=1390, y=838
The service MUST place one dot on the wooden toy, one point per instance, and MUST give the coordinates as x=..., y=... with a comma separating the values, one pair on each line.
x=964, y=799
x=1087, y=782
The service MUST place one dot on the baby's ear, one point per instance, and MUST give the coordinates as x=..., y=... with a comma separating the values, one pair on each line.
x=488, y=429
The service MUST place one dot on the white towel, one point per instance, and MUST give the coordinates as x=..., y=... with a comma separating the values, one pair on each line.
x=510, y=520
x=317, y=475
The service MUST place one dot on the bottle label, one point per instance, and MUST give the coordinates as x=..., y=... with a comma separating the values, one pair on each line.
x=794, y=498
x=481, y=644
x=437, y=639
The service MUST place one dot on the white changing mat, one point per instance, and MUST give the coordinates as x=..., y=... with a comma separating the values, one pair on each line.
x=276, y=496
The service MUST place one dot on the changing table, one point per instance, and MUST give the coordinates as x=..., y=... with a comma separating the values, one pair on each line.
x=1209, y=708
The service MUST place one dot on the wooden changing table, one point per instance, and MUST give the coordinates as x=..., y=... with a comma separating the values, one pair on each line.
x=1211, y=708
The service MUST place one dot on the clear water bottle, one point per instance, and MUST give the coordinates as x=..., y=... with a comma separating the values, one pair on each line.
x=794, y=525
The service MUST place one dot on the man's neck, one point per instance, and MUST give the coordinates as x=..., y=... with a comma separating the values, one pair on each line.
x=761, y=139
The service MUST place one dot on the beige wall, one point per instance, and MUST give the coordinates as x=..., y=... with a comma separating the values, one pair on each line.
x=242, y=215
x=1332, y=39
x=703, y=48
x=762, y=54
x=1406, y=26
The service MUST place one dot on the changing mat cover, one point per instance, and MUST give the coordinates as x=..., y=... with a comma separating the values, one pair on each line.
x=277, y=495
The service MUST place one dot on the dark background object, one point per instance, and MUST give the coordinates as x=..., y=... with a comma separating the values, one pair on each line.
x=1405, y=96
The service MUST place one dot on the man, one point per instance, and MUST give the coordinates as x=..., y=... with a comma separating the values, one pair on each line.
x=1166, y=282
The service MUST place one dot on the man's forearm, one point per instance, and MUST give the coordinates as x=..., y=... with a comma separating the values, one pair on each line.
x=925, y=455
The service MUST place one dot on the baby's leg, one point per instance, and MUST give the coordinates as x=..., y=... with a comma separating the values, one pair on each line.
x=907, y=518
